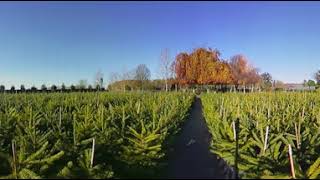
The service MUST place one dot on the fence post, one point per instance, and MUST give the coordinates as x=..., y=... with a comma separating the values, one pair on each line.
x=14, y=158
x=266, y=140
x=60, y=117
x=291, y=162
x=92, y=152
x=237, y=144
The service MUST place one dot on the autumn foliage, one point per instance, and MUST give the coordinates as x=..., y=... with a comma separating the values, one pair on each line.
x=243, y=73
x=204, y=66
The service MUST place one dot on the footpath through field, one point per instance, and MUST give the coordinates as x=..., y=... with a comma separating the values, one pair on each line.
x=191, y=157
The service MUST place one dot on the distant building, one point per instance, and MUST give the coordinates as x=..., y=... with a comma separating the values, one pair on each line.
x=298, y=87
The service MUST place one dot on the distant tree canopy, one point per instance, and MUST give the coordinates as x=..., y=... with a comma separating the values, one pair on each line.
x=63, y=87
x=279, y=85
x=33, y=89
x=204, y=66
x=311, y=83
x=82, y=84
x=142, y=73
x=137, y=79
x=53, y=87
x=165, y=66
x=305, y=82
x=2, y=88
x=43, y=87
x=22, y=88
x=243, y=73
x=201, y=66
x=317, y=77
x=98, y=79
x=72, y=87
x=157, y=84
x=266, y=81
x=266, y=78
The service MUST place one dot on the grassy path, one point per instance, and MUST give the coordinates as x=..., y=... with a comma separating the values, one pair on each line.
x=191, y=157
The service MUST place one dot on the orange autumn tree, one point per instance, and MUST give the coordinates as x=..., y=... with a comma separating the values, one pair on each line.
x=208, y=60
x=202, y=66
x=224, y=72
x=179, y=67
x=243, y=73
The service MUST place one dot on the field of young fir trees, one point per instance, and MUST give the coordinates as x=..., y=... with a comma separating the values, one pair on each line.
x=255, y=132
x=88, y=135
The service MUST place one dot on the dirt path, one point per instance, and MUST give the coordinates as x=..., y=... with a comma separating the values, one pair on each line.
x=191, y=157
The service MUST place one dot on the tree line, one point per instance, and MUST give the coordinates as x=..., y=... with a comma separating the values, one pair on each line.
x=135, y=79
x=53, y=88
x=203, y=67
x=200, y=68
x=82, y=86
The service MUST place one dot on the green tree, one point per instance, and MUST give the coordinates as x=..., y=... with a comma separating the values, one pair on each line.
x=33, y=89
x=53, y=88
x=98, y=87
x=43, y=87
x=82, y=84
x=2, y=88
x=311, y=83
x=99, y=79
x=63, y=87
x=12, y=89
x=317, y=77
x=22, y=88
x=72, y=87
x=90, y=87
x=267, y=81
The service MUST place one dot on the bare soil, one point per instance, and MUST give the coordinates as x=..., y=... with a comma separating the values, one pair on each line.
x=191, y=157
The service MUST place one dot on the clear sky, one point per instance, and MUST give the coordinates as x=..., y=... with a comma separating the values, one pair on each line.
x=54, y=42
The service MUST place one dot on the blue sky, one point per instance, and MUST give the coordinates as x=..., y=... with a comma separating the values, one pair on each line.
x=55, y=42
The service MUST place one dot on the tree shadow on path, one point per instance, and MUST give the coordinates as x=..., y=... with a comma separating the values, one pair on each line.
x=191, y=157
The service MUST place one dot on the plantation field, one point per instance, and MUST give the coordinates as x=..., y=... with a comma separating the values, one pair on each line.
x=129, y=135
x=268, y=124
x=88, y=135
